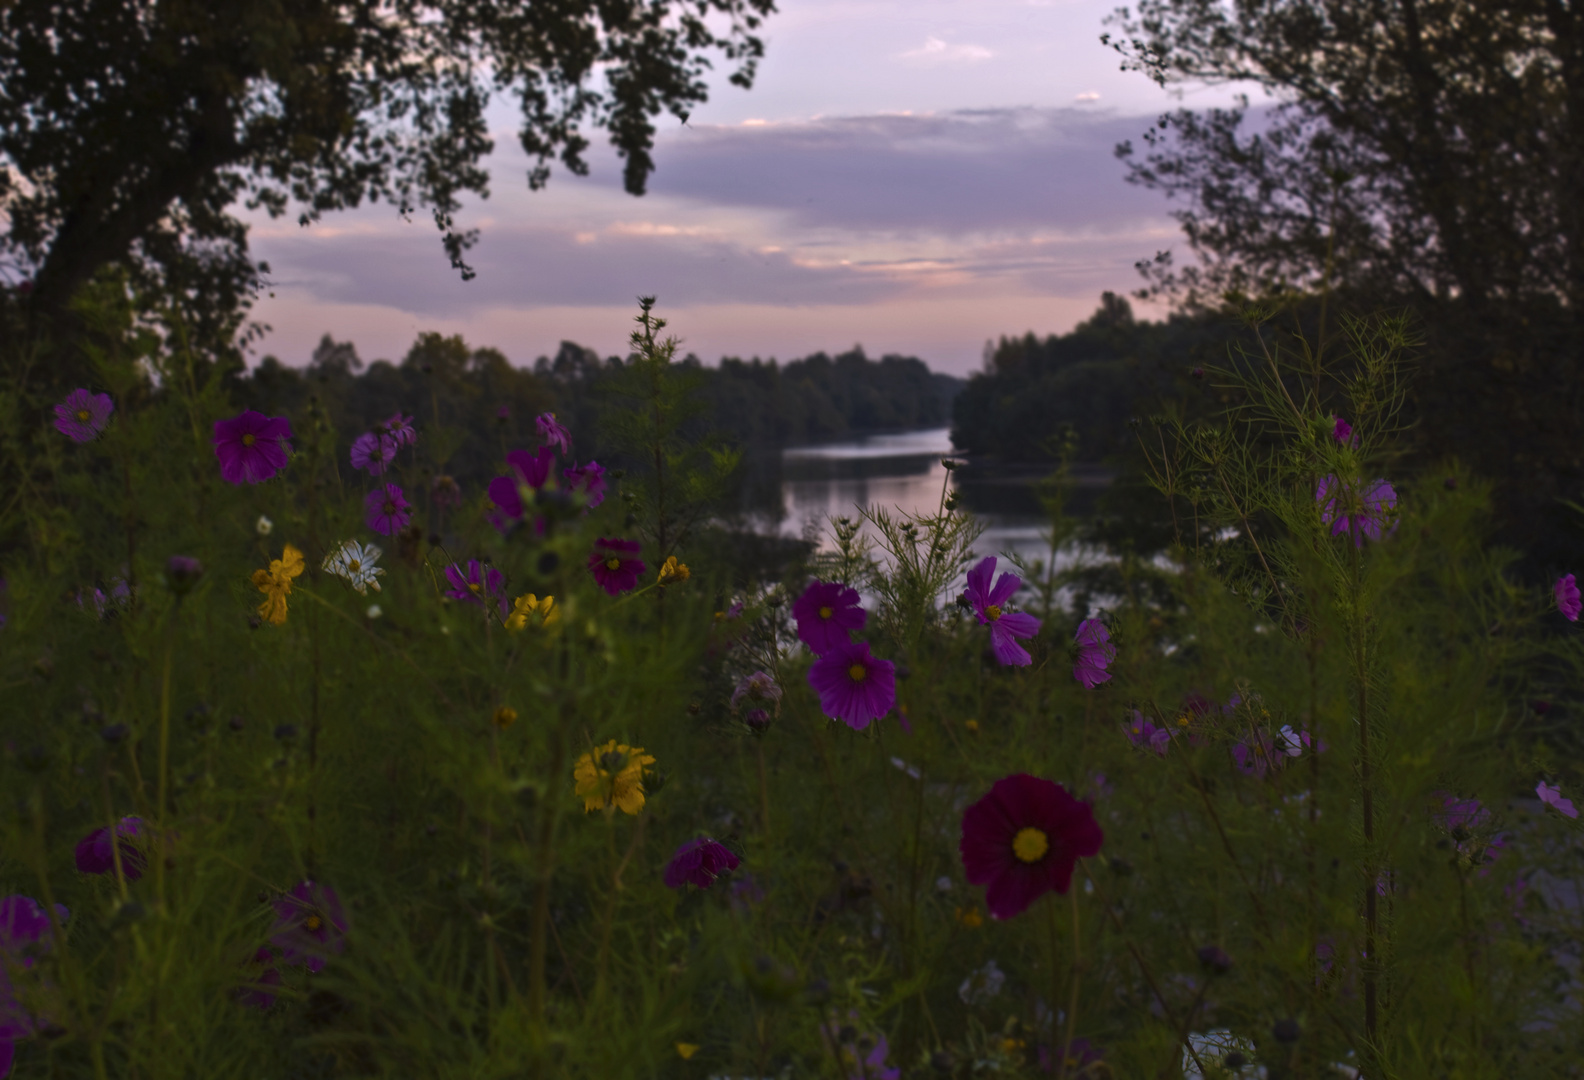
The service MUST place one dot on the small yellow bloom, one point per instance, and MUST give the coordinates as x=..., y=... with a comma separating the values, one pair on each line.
x=972, y=726
x=970, y=918
x=612, y=775
x=673, y=571
x=685, y=1051
x=1012, y=1046
x=504, y=717
x=544, y=612
x=275, y=584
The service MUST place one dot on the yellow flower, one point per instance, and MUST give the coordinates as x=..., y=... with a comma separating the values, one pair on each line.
x=504, y=717
x=972, y=725
x=970, y=918
x=275, y=584
x=544, y=612
x=612, y=775
x=685, y=1051
x=673, y=571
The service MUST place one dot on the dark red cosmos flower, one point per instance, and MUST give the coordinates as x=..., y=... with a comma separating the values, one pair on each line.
x=699, y=862
x=309, y=925
x=94, y=855
x=1023, y=839
x=251, y=447
x=614, y=566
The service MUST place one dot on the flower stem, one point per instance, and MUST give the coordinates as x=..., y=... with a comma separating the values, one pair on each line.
x=164, y=761
x=1072, y=1000
x=1367, y=802
x=764, y=791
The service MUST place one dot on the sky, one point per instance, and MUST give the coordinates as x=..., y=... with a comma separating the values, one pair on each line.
x=911, y=177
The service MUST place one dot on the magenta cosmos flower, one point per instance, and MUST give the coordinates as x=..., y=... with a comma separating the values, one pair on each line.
x=589, y=479
x=1022, y=841
x=1566, y=591
x=853, y=686
x=399, y=429
x=373, y=451
x=553, y=433
x=1357, y=512
x=1095, y=651
x=614, y=564
x=530, y=469
x=1140, y=732
x=309, y=925
x=477, y=585
x=699, y=862
x=1005, y=626
x=251, y=447
x=82, y=416
x=1552, y=797
x=95, y=856
x=1342, y=432
x=386, y=510
x=260, y=993
x=24, y=932
x=826, y=614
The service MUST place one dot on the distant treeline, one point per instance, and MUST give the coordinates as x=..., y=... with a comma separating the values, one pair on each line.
x=480, y=404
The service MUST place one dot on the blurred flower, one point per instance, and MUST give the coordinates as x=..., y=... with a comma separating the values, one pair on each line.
x=400, y=429
x=853, y=686
x=95, y=856
x=1079, y=1055
x=503, y=717
x=982, y=985
x=969, y=918
x=613, y=565
x=251, y=447
x=1342, y=432
x=82, y=416
x=826, y=613
x=478, y=584
x=527, y=469
x=552, y=432
x=760, y=686
x=374, y=611
x=1005, y=626
x=589, y=479
x=1359, y=513
x=1552, y=797
x=1566, y=591
x=275, y=584
x=1255, y=756
x=528, y=606
x=372, y=451
x=182, y=573
x=1095, y=651
x=673, y=571
x=386, y=510
x=354, y=563
x=1023, y=839
x=862, y=1057
x=309, y=925
x=685, y=1051
x=612, y=775
x=446, y=493
x=25, y=933
x=263, y=526
x=1216, y=959
x=503, y=413
x=259, y=994
x=699, y=862
x=1140, y=732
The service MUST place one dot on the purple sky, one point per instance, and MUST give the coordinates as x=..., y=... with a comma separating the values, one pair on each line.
x=915, y=177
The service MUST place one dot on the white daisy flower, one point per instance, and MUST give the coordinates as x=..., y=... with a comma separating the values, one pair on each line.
x=264, y=525
x=374, y=611
x=354, y=562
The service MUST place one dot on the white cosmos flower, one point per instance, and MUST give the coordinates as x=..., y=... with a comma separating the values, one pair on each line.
x=355, y=563
x=264, y=525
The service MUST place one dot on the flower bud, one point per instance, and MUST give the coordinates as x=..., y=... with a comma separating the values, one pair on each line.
x=182, y=573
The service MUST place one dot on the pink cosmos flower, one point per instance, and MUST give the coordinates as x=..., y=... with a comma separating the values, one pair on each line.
x=1095, y=651
x=1357, y=513
x=1140, y=732
x=251, y=447
x=861, y=1057
x=94, y=855
x=1343, y=433
x=1566, y=591
x=1005, y=626
x=25, y=932
x=699, y=862
x=614, y=565
x=400, y=429
x=386, y=510
x=853, y=686
x=530, y=469
x=82, y=416
x=373, y=451
x=1552, y=797
x=477, y=585
x=309, y=925
x=1255, y=756
x=1023, y=840
x=826, y=614
x=588, y=478
x=553, y=433
x=260, y=993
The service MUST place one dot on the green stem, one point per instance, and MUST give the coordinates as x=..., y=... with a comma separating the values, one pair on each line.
x=1072, y=1000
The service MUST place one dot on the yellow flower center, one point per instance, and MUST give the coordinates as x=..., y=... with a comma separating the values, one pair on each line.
x=313, y=922
x=84, y=415
x=354, y=565
x=390, y=507
x=857, y=673
x=992, y=612
x=249, y=439
x=1030, y=845
x=613, y=563
x=825, y=613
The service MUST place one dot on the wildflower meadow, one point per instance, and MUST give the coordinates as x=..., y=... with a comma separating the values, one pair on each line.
x=319, y=764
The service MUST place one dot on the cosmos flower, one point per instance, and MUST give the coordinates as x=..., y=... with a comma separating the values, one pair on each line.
x=1552, y=797
x=1358, y=512
x=82, y=416
x=95, y=856
x=589, y=479
x=1141, y=732
x=251, y=447
x=673, y=572
x=373, y=451
x=553, y=433
x=477, y=584
x=25, y=932
x=853, y=686
x=532, y=470
x=260, y=992
x=614, y=565
x=275, y=584
x=862, y=1057
x=309, y=925
x=1566, y=591
x=1023, y=839
x=386, y=510
x=354, y=563
x=1256, y=755
x=446, y=493
x=612, y=776
x=760, y=686
x=826, y=614
x=400, y=429
x=529, y=607
x=1005, y=626
x=699, y=862
x=1342, y=432
x=1095, y=651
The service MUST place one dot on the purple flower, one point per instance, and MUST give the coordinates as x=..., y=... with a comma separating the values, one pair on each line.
x=745, y=892
x=1566, y=591
x=699, y=862
x=1080, y=1054
x=1005, y=627
x=760, y=686
x=614, y=566
x=530, y=469
x=400, y=429
x=1552, y=797
x=1359, y=514
x=94, y=855
x=1255, y=756
x=1023, y=839
x=251, y=447
x=23, y=923
x=182, y=573
x=861, y=1058
x=386, y=510
x=1140, y=732
x=82, y=416
x=853, y=686
x=1095, y=651
x=825, y=614
x=477, y=585
x=1343, y=433
x=373, y=451
x=553, y=433
x=259, y=994
x=588, y=478
x=309, y=925
x=446, y=493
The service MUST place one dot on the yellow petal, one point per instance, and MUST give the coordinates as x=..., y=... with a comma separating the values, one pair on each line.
x=686, y=1050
